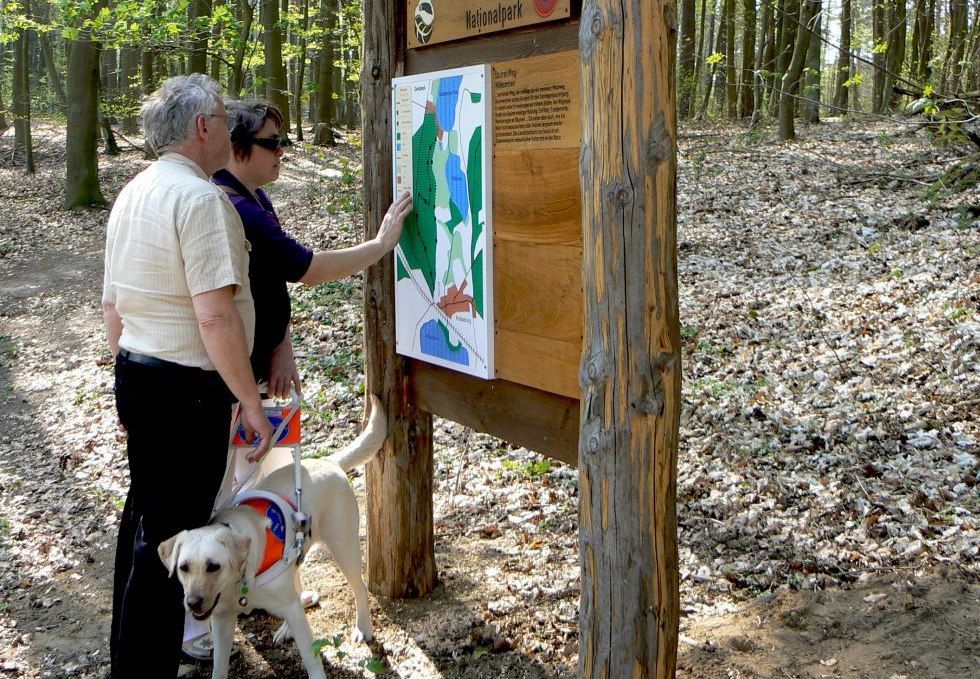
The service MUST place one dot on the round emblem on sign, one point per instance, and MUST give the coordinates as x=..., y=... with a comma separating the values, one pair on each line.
x=544, y=8
x=424, y=15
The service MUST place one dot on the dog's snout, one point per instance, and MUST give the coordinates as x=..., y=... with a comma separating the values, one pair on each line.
x=195, y=603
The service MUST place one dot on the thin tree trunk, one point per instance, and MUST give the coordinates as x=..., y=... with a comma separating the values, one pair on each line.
x=276, y=87
x=952, y=73
x=843, y=59
x=21, y=100
x=731, y=74
x=129, y=60
x=788, y=27
x=631, y=355
x=3, y=109
x=198, y=12
x=699, y=60
x=686, y=63
x=246, y=15
x=54, y=76
x=813, y=71
x=709, y=85
x=880, y=40
x=301, y=71
x=791, y=79
x=746, y=90
x=326, y=108
x=766, y=38
x=895, y=56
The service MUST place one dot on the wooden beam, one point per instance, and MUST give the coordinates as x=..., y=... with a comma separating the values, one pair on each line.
x=400, y=541
x=631, y=360
x=543, y=422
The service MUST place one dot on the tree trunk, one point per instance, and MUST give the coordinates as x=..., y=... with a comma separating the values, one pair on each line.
x=843, y=59
x=54, y=76
x=246, y=15
x=731, y=75
x=325, y=106
x=895, y=56
x=709, y=85
x=300, y=77
x=21, y=100
x=276, y=88
x=3, y=109
x=129, y=60
x=686, y=65
x=631, y=356
x=813, y=71
x=746, y=89
x=110, y=99
x=791, y=79
x=951, y=80
x=198, y=12
x=763, y=52
x=880, y=41
x=699, y=59
x=82, y=180
x=400, y=541
x=788, y=27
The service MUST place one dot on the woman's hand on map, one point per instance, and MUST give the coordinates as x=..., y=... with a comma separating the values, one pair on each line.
x=391, y=226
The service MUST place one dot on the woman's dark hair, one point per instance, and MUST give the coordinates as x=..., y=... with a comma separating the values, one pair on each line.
x=249, y=117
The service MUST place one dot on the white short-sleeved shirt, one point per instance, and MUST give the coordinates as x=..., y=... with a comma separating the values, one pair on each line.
x=172, y=234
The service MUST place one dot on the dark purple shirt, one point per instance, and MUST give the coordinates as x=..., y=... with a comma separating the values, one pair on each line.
x=275, y=258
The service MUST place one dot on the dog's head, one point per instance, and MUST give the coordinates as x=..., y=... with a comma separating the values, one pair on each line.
x=207, y=561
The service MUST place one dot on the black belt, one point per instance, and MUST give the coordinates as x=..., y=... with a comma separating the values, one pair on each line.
x=151, y=361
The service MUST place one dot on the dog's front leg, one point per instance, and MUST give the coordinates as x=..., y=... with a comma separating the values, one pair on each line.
x=222, y=634
x=295, y=617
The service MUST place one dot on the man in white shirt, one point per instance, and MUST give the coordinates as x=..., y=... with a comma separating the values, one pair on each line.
x=179, y=318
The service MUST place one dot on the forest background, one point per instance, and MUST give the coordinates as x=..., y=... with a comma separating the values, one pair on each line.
x=830, y=306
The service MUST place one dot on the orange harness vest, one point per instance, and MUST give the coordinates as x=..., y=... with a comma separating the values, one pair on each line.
x=279, y=511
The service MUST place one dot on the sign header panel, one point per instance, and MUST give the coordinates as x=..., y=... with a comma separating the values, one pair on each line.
x=433, y=21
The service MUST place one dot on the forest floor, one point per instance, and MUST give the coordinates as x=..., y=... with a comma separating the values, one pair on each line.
x=827, y=490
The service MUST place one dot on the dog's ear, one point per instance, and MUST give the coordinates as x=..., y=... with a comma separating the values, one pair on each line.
x=238, y=544
x=169, y=551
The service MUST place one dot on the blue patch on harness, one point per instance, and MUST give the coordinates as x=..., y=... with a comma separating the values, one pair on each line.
x=278, y=521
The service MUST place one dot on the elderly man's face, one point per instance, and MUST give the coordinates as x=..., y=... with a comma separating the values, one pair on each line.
x=219, y=138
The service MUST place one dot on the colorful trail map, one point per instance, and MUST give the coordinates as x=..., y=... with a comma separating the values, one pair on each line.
x=443, y=285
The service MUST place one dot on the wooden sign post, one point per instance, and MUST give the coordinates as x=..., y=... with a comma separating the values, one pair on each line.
x=586, y=334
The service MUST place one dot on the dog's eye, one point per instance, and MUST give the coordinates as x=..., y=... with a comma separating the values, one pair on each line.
x=184, y=568
x=213, y=567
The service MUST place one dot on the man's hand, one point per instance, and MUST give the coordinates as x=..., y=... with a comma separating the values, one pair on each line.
x=255, y=422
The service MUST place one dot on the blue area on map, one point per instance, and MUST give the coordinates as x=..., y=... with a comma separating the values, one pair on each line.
x=456, y=179
x=446, y=103
x=434, y=343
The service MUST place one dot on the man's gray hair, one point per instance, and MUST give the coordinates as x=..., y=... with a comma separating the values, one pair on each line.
x=170, y=113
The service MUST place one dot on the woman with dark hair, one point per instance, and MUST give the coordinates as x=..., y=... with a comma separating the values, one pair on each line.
x=276, y=256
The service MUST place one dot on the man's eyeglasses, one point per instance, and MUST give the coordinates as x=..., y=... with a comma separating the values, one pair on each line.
x=270, y=143
x=229, y=121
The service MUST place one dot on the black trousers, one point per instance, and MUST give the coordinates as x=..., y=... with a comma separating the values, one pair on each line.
x=177, y=421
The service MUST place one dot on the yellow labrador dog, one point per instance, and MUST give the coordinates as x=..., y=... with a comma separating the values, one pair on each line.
x=216, y=564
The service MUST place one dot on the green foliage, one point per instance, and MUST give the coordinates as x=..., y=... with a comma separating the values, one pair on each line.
x=373, y=664
x=531, y=468
x=715, y=58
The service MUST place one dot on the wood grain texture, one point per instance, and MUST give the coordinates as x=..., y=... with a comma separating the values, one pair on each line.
x=543, y=363
x=631, y=367
x=540, y=421
x=400, y=541
x=536, y=196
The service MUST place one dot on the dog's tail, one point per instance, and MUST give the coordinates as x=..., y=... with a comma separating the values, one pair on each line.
x=368, y=442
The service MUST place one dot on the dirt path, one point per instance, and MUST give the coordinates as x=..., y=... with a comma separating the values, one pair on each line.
x=808, y=549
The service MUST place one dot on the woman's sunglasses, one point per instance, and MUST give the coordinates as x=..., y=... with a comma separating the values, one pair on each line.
x=270, y=143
